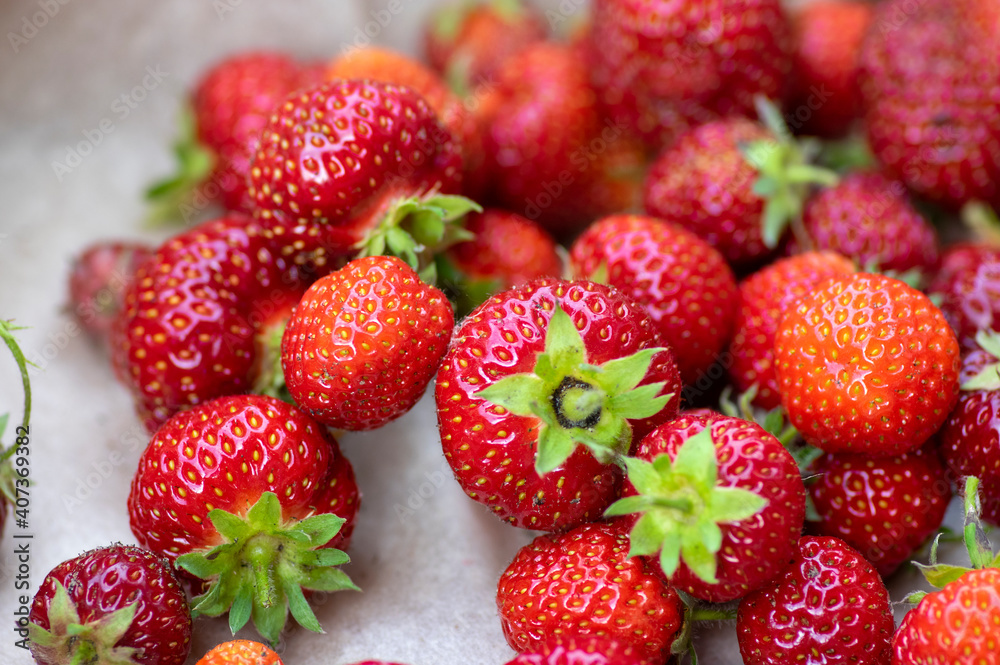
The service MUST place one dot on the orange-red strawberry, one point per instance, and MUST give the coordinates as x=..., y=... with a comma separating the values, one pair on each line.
x=364, y=342
x=543, y=386
x=251, y=495
x=97, y=282
x=866, y=364
x=240, y=652
x=968, y=286
x=584, y=583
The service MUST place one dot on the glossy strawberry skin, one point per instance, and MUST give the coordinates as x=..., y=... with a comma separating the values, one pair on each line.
x=240, y=652
x=583, y=583
x=830, y=604
x=491, y=450
x=364, y=342
x=957, y=624
x=663, y=67
x=225, y=454
x=188, y=329
x=866, y=364
x=885, y=508
x=755, y=550
x=764, y=296
x=575, y=650
x=868, y=218
x=97, y=283
x=968, y=285
x=107, y=579
x=683, y=283
x=335, y=156
x=705, y=184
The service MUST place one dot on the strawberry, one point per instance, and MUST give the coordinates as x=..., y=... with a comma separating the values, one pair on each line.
x=968, y=286
x=97, y=282
x=117, y=605
x=575, y=650
x=885, y=508
x=929, y=80
x=719, y=498
x=826, y=45
x=866, y=364
x=583, y=583
x=663, y=66
x=764, y=296
x=868, y=218
x=196, y=316
x=251, y=495
x=830, y=606
x=970, y=438
x=240, y=652
x=542, y=386
x=364, y=342
x=683, y=283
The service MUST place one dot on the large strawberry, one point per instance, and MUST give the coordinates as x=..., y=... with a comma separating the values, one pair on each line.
x=830, y=606
x=929, y=81
x=663, y=66
x=97, y=283
x=866, y=364
x=683, y=283
x=584, y=583
x=574, y=650
x=116, y=605
x=764, y=297
x=251, y=495
x=364, y=342
x=719, y=499
x=542, y=387
x=968, y=288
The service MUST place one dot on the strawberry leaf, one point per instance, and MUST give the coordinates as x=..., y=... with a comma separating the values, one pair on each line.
x=942, y=574
x=555, y=445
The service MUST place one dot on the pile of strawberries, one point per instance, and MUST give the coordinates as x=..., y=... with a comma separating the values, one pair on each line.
x=730, y=371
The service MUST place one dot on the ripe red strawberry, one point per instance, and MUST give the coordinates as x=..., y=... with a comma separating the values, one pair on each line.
x=97, y=282
x=584, y=583
x=117, y=604
x=968, y=286
x=868, y=218
x=196, y=314
x=469, y=43
x=826, y=37
x=866, y=364
x=574, y=650
x=721, y=501
x=830, y=606
x=543, y=386
x=240, y=652
x=683, y=283
x=764, y=297
x=364, y=342
x=885, y=508
x=929, y=80
x=664, y=66
x=251, y=495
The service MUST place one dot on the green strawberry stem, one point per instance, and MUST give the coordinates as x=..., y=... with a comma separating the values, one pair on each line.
x=7, y=475
x=195, y=163
x=575, y=402
x=682, y=505
x=261, y=569
x=988, y=378
x=83, y=643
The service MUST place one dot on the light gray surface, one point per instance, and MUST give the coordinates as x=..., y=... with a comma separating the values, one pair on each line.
x=429, y=576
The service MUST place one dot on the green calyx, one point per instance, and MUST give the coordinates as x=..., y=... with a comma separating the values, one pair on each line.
x=988, y=377
x=261, y=570
x=982, y=221
x=847, y=155
x=195, y=163
x=8, y=477
x=682, y=506
x=578, y=403
x=416, y=228
x=70, y=642
x=786, y=175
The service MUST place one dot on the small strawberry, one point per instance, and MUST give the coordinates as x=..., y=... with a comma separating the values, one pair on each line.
x=575, y=650
x=584, y=583
x=683, y=283
x=119, y=605
x=866, y=364
x=968, y=286
x=830, y=606
x=764, y=297
x=885, y=508
x=719, y=498
x=240, y=652
x=542, y=387
x=97, y=282
x=251, y=495
x=364, y=342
